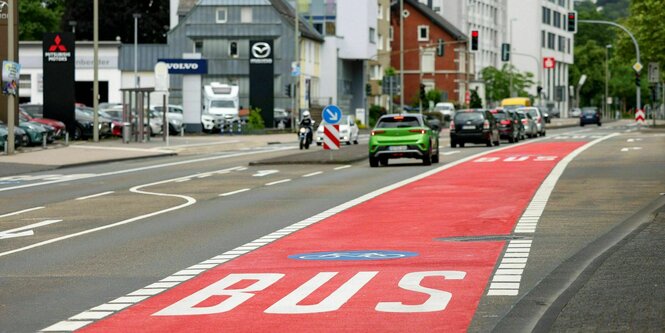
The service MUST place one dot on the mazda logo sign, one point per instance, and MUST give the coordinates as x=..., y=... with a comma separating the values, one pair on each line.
x=261, y=50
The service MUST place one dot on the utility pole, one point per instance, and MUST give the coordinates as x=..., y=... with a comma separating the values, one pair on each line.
x=11, y=5
x=401, y=55
x=607, y=78
x=296, y=97
x=95, y=61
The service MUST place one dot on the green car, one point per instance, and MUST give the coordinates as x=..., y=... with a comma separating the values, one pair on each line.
x=404, y=136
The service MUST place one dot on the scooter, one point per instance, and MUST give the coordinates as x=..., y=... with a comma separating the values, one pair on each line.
x=305, y=136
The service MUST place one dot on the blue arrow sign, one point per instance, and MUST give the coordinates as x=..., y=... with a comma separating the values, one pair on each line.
x=332, y=115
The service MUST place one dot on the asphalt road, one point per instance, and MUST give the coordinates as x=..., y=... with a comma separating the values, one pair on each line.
x=108, y=230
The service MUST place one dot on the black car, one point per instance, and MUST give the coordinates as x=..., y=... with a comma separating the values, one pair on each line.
x=475, y=126
x=590, y=115
x=85, y=124
x=509, y=124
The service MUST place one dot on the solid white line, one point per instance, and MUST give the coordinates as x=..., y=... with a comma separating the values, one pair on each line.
x=278, y=182
x=66, y=326
x=234, y=192
x=503, y=292
x=452, y=152
x=95, y=195
x=342, y=167
x=312, y=174
x=151, y=167
x=21, y=212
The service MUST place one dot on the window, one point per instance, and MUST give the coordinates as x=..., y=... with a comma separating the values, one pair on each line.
x=568, y=40
x=543, y=37
x=557, y=19
x=423, y=33
x=380, y=12
x=221, y=15
x=427, y=60
x=390, y=33
x=24, y=82
x=551, y=40
x=547, y=15
x=198, y=46
x=562, y=44
x=372, y=35
x=246, y=15
x=233, y=49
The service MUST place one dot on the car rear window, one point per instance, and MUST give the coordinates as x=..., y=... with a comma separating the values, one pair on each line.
x=466, y=116
x=500, y=115
x=589, y=111
x=398, y=122
x=533, y=112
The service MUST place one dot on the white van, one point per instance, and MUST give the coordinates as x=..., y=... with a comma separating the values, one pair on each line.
x=446, y=109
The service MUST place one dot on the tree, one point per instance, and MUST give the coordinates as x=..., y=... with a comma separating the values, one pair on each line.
x=116, y=19
x=37, y=17
x=589, y=61
x=497, y=82
x=475, y=102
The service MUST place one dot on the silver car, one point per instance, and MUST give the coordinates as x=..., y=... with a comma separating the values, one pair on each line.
x=538, y=117
x=530, y=128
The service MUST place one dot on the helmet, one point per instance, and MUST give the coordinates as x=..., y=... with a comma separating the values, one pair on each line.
x=305, y=115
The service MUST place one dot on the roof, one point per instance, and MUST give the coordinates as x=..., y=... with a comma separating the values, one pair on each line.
x=184, y=6
x=288, y=13
x=436, y=19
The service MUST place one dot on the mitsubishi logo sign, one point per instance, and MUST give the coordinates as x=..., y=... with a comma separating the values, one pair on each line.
x=57, y=52
x=261, y=53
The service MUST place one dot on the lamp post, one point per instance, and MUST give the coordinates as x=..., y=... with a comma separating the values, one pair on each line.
x=136, y=51
x=511, y=58
x=607, y=78
x=95, y=64
x=401, y=55
x=73, y=25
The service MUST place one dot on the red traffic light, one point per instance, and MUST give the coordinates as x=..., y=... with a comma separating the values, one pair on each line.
x=474, y=33
x=474, y=40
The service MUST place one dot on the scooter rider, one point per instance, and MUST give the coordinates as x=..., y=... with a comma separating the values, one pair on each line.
x=308, y=122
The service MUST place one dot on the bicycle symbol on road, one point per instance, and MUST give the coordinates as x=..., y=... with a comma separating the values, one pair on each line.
x=354, y=255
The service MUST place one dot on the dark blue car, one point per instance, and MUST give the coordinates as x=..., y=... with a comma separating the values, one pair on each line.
x=590, y=115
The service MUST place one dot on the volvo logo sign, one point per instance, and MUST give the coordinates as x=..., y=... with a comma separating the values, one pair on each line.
x=261, y=53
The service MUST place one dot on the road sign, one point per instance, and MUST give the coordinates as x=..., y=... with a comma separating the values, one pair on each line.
x=330, y=137
x=161, y=76
x=639, y=117
x=654, y=72
x=637, y=67
x=390, y=85
x=332, y=114
x=549, y=62
x=295, y=69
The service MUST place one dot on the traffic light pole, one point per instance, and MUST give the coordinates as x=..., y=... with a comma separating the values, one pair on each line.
x=638, y=93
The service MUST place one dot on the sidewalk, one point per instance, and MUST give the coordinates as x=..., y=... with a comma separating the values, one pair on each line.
x=79, y=153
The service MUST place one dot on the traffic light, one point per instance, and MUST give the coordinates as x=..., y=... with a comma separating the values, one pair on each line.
x=474, y=40
x=572, y=22
x=505, y=52
x=287, y=90
x=422, y=92
x=440, y=48
x=539, y=89
x=637, y=79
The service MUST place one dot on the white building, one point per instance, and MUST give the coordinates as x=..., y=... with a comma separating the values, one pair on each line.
x=540, y=31
x=488, y=17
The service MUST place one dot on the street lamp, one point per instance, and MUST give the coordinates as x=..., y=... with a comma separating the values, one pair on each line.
x=73, y=25
x=136, y=51
x=510, y=38
x=607, y=78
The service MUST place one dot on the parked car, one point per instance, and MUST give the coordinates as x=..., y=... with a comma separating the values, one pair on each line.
x=446, y=109
x=85, y=124
x=590, y=115
x=59, y=127
x=530, y=128
x=403, y=136
x=20, y=136
x=475, y=126
x=538, y=117
x=575, y=112
x=174, y=115
x=348, y=132
x=36, y=132
x=508, y=123
x=281, y=118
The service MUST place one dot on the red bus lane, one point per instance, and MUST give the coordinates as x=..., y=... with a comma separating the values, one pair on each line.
x=382, y=265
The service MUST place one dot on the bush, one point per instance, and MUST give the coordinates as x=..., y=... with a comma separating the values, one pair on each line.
x=375, y=112
x=255, y=120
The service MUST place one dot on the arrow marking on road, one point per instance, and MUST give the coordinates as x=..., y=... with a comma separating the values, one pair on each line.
x=263, y=173
x=26, y=230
